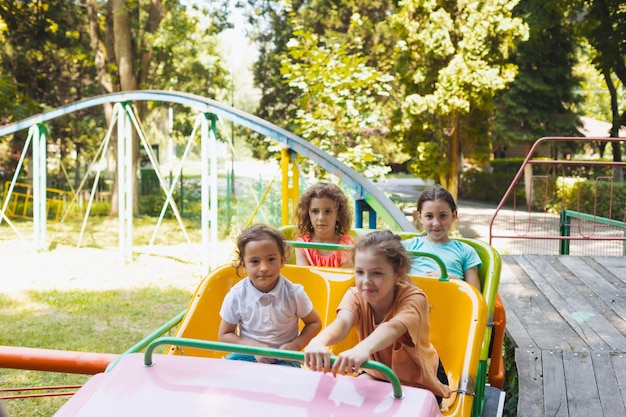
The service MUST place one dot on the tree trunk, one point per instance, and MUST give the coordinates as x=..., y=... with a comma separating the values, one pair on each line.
x=615, y=125
x=453, y=156
x=125, y=58
x=104, y=54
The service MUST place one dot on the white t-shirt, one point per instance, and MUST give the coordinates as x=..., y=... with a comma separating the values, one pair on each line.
x=271, y=318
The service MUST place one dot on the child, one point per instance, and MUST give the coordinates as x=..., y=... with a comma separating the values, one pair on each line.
x=436, y=210
x=391, y=318
x=323, y=216
x=266, y=306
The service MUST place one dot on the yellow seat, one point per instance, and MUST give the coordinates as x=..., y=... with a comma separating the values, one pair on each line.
x=457, y=320
x=202, y=319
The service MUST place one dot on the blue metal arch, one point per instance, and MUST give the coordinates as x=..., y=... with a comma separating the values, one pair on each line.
x=363, y=188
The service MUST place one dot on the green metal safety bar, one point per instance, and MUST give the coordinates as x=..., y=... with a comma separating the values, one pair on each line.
x=565, y=227
x=254, y=350
x=329, y=246
x=148, y=339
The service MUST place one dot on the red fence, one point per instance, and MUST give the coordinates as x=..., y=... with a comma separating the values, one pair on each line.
x=564, y=205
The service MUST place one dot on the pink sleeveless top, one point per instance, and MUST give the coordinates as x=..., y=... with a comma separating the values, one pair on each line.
x=335, y=259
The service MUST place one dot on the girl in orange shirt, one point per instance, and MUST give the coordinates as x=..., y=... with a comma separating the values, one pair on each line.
x=391, y=318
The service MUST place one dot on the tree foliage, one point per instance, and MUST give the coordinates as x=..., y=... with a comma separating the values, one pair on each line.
x=45, y=62
x=342, y=103
x=542, y=100
x=603, y=24
x=453, y=57
x=323, y=73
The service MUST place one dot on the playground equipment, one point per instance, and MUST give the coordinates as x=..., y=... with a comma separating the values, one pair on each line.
x=463, y=343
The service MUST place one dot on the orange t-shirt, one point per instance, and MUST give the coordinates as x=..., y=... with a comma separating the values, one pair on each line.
x=412, y=357
x=335, y=259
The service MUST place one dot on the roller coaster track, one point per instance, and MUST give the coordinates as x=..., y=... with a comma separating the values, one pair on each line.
x=364, y=189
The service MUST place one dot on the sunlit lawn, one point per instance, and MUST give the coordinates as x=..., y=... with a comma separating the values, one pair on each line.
x=91, y=321
x=108, y=321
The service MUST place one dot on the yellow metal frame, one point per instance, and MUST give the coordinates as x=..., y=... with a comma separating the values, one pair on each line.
x=64, y=197
x=290, y=189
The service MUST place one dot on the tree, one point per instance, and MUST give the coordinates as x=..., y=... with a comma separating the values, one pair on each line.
x=542, y=100
x=341, y=106
x=453, y=57
x=603, y=24
x=286, y=34
x=45, y=63
x=126, y=39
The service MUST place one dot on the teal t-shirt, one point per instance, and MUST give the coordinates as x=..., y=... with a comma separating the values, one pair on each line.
x=456, y=255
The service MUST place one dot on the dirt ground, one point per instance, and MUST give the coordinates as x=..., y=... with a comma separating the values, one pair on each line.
x=23, y=268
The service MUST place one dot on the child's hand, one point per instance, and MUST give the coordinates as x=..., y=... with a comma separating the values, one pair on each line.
x=290, y=346
x=263, y=359
x=317, y=357
x=437, y=274
x=349, y=361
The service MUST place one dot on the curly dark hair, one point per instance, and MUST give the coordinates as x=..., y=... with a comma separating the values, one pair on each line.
x=256, y=233
x=388, y=245
x=323, y=190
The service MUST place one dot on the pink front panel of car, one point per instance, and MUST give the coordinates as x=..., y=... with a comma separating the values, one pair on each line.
x=191, y=386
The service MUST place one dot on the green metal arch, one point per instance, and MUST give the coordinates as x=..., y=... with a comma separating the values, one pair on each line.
x=363, y=188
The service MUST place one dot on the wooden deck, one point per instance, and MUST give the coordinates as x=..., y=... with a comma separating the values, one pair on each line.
x=566, y=316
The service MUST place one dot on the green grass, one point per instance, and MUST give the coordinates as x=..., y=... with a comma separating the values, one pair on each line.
x=92, y=321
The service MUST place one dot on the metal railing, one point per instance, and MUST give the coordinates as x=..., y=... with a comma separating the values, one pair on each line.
x=530, y=216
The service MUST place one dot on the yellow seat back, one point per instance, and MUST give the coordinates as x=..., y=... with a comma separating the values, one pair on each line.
x=458, y=318
x=202, y=319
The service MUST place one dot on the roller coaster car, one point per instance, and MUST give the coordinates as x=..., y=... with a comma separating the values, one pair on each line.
x=458, y=320
x=192, y=379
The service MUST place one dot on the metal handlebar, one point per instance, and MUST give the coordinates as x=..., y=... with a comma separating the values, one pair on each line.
x=254, y=350
x=329, y=246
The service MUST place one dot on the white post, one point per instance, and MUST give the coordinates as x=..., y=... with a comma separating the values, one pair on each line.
x=208, y=150
x=125, y=183
x=39, y=186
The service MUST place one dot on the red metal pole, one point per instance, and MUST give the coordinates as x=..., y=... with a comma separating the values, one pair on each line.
x=50, y=360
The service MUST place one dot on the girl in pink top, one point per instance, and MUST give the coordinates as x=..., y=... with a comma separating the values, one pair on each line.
x=391, y=318
x=323, y=216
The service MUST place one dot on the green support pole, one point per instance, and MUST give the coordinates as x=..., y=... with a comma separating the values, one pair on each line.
x=565, y=231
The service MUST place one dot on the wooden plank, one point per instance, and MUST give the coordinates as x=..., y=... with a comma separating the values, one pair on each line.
x=520, y=293
x=619, y=367
x=548, y=323
x=515, y=331
x=592, y=327
x=554, y=390
x=583, y=399
x=530, y=383
x=599, y=292
x=616, y=265
x=514, y=328
x=608, y=388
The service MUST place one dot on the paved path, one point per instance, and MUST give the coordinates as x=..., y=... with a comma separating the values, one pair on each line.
x=474, y=220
